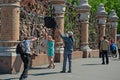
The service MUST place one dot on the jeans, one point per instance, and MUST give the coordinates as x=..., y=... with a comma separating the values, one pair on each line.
x=26, y=61
x=67, y=55
x=105, y=55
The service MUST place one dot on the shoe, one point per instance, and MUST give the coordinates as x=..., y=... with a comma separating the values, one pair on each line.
x=48, y=66
x=69, y=71
x=62, y=71
x=103, y=63
x=23, y=78
x=53, y=66
x=107, y=63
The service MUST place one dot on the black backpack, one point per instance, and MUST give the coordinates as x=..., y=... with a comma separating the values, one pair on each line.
x=20, y=49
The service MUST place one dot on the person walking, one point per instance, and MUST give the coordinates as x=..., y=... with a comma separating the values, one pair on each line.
x=68, y=49
x=104, y=47
x=50, y=52
x=26, y=57
x=118, y=45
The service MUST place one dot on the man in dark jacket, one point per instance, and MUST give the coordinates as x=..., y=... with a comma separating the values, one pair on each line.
x=68, y=49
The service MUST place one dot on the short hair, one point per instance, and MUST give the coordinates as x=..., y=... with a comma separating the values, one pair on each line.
x=104, y=37
x=25, y=38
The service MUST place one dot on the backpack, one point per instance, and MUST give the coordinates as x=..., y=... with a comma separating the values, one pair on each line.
x=112, y=47
x=20, y=49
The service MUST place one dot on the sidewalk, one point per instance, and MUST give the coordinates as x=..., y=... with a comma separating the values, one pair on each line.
x=83, y=69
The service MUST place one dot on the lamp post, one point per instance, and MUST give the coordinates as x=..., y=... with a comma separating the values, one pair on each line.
x=59, y=9
x=101, y=16
x=113, y=18
x=84, y=11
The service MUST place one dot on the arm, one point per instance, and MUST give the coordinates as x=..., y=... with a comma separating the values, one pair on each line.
x=63, y=37
x=34, y=38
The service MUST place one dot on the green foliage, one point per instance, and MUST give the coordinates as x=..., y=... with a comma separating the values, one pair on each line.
x=108, y=4
x=70, y=15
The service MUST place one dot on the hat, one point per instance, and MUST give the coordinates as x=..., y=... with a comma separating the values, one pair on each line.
x=70, y=33
x=66, y=34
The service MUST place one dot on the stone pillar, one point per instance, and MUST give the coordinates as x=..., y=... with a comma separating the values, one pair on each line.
x=59, y=9
x=113, y=18
x=101, y=16
x=84, y=11
x=9, y=31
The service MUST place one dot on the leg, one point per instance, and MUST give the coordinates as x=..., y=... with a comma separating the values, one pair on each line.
x=26, y=66
x=64, y=63
x=49, y=59
x=106, y=55
x=103, y=62
x=100, y=54
x=70, y=62
x=52, y=62
x=23, y=59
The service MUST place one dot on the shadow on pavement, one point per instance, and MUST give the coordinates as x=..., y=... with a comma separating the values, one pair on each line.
x=115, y=59
x=35, y=68
x=10, y=79
x=44, y=73
x=91, y=64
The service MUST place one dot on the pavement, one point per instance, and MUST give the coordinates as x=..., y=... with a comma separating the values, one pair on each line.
x=83, y=69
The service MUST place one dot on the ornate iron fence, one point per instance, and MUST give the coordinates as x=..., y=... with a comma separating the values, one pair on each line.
x=32, y=23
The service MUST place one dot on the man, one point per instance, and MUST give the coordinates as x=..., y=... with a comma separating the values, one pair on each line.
x=104, y=46
x=68, y=49
x=26, y=57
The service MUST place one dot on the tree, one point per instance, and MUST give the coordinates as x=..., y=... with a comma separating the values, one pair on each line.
x=108, y=4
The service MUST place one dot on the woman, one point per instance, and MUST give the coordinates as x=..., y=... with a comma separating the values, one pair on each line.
x=51, y=52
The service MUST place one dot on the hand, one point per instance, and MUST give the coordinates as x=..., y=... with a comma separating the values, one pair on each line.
x=34, y=38
x=57, y=30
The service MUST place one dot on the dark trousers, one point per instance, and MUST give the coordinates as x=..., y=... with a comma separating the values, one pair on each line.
x=119, y=52
x=67, y=55
x=100, y=54
x=26, y=61
x=105, y=55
